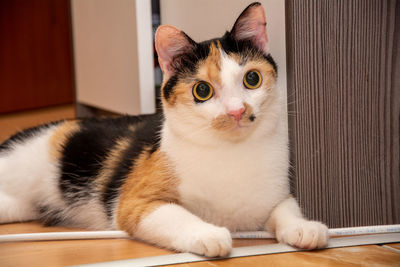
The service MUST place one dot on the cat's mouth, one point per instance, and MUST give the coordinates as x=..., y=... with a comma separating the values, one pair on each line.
x=245, y=122
x=229, y=123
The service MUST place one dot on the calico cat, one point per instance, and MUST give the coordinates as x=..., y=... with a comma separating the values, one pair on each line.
x=214, y=161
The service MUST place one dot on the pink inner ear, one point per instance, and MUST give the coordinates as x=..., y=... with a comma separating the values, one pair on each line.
x=169, y=42
x=252, y=26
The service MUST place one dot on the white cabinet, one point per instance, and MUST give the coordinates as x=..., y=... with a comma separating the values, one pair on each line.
x=113, y=55
x=113, y=46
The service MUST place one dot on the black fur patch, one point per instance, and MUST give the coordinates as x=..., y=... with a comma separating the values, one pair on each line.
x=245, y=49
x=169, y=86
x=272, y=62
x=85, y=152
x=49, y=216
x=144, y=137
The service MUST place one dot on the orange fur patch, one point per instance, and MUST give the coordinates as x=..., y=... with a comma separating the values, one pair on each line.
x=61, y=136
x=151, y=183
x=181, y=94
x=267, y=71
x=110, y=163
x=209, y=70
x=223, y=122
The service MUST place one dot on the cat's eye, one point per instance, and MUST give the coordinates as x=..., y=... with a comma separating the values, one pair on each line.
x=252, y=79
x=202, y=91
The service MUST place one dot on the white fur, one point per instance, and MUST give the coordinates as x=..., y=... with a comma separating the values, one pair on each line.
x=26, y=178
x=174, y=227
x=290, y=227
x=231, y=184
x=89, y=214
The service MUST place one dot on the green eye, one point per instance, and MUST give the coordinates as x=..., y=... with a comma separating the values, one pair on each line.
x=202, y=91
x=252, y=79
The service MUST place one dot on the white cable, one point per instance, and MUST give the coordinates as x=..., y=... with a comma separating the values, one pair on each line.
x=63, y=236
x=120, y=234
x=364, y=230
x=252, y=234
x=348, y=241
x=378, y=229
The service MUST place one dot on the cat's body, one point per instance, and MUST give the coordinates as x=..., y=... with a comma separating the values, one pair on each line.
x=215, y=159
x=62, y=171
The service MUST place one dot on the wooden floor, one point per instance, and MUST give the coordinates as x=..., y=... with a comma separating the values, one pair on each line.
x=64, y=253
x=12, y=122
x=73, y=252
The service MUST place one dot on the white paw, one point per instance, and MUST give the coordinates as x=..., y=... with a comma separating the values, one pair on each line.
x=209, y=240
x=305, y=234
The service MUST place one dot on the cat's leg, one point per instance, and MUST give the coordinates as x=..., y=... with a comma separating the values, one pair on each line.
x=13, y=207
x=289, y=226
x=173, y=227
x=148, y=209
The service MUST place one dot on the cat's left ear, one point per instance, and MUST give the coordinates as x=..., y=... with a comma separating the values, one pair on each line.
x=251, y=25
x=171, y=42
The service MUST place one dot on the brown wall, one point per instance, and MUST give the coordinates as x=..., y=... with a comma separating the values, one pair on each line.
x=344, y=90
x=35, y=54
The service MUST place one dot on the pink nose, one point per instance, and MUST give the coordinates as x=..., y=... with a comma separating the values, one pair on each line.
x=237, y=114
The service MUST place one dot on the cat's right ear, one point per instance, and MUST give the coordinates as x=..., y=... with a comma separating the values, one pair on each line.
x=251, y=26
x=171, y=42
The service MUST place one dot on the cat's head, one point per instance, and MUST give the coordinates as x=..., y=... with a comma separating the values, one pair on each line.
x=221, y=87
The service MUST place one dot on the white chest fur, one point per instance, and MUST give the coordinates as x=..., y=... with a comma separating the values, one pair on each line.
x=233, y=185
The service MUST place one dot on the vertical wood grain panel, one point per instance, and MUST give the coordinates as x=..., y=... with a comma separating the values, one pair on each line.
x=343, y=95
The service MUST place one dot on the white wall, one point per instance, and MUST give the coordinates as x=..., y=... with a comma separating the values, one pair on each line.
x=206, y=19
x=113, y=55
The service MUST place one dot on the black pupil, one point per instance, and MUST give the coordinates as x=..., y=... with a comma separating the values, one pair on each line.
x=252, y=78
x=203, y=90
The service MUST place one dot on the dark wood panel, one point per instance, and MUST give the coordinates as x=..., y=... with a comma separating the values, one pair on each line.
x=35, y=54
x=343, y=90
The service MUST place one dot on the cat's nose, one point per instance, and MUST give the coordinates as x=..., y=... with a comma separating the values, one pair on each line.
x=237, y=113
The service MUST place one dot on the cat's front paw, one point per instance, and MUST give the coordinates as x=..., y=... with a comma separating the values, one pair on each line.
x=211, y=241
x=305, y=235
